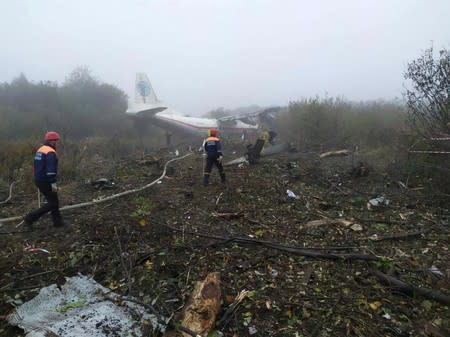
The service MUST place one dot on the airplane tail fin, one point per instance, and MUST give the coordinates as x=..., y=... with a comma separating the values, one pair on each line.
x=144, y=93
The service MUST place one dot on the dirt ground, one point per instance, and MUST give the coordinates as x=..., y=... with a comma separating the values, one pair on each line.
x=155, y=244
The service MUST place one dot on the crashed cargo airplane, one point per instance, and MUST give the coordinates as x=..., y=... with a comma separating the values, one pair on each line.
x=147, y=108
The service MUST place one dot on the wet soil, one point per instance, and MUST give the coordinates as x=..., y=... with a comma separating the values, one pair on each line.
x=155, y=244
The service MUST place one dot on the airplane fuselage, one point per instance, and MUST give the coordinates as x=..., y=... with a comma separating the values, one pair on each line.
x=147, y=108
x=170, y=120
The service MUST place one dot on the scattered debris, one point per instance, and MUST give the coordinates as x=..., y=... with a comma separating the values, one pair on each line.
x=338, y=153
x=360, y=171
x=292, y=195
x=327, y=221
x=290, y=253
x=31, y=249
x=78, y=309
x=398, y=236
x=252, y=330
x=433, y=269
x=356, y=227
x=103, y=183
x=402, y=185
x=379, y=202
x=291, y=165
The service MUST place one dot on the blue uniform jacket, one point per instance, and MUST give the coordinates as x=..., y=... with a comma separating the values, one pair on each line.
x=45, y=164
x=213, y=148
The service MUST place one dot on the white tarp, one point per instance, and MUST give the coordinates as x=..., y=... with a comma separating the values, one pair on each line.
x=79, y=309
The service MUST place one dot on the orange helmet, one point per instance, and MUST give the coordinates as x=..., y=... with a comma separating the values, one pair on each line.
x=51, y=135
x=213, y=132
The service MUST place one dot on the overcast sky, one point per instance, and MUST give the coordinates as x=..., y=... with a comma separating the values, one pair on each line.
x=204, y=54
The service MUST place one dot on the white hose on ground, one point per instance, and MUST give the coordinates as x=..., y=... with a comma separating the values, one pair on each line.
x=10, y=194
x=114, y=196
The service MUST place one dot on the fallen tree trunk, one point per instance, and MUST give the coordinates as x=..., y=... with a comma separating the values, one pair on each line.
x=411, y=289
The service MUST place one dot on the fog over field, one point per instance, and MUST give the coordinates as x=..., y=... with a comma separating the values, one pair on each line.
x=204, y=54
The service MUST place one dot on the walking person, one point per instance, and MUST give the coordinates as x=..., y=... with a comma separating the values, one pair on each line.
x=45, y=176
x=213, y=150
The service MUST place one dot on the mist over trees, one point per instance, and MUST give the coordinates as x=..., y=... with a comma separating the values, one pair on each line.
x=337, y=122
x=428, y=93
x=82, y=106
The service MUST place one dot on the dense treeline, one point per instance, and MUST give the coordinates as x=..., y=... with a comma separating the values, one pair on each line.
x=82, y=106
x=336, y=122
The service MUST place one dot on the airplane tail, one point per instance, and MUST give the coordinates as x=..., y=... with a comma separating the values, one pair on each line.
x=144, y=93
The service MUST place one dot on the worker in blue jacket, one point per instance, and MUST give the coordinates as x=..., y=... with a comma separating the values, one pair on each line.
x=213, y=150
x=45, y=173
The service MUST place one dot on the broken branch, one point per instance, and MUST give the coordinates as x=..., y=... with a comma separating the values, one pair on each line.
x=298, y=251
x=398, y=236
x=411, y=289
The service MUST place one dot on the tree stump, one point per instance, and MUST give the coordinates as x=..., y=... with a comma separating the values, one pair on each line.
x=200, y=312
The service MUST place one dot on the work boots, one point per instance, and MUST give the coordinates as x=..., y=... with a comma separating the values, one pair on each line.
x=59, y=224
x=206, y=179
x=27, y=224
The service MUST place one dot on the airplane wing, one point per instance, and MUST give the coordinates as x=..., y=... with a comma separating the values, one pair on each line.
x=146, y=109
x=252, y=117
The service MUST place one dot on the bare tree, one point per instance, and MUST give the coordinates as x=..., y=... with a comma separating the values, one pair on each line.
x=428, y=95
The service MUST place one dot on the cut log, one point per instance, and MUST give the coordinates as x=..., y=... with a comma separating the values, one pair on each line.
x=200, y=312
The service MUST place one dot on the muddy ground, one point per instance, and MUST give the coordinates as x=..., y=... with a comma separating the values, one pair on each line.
x=156, y=243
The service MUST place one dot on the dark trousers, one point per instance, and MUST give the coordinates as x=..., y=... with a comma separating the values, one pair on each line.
x=52, y=206
x=210, y=162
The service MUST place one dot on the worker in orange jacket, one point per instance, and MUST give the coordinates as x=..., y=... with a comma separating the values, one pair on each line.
x=45, y=176
x=214, y=156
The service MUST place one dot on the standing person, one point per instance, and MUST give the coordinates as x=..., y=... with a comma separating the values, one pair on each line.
x=265, y=136
x=272, y=135
x=213, y=150
x=169, y=139
x=250, y=154
x=45, y=172
x=244, y=136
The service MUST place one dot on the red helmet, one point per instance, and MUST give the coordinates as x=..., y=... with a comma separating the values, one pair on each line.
x=51, y=135
x=213, y=132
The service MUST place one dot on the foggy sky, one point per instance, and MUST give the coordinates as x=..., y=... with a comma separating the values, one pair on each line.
x=204, y=54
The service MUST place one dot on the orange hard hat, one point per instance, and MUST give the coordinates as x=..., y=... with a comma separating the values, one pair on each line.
x=213, y=132
x=51, y=135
